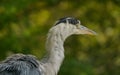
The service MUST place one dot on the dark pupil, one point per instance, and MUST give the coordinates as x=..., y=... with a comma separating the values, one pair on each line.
x=71, y=21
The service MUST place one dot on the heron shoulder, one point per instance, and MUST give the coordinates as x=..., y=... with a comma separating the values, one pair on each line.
x=20, y=63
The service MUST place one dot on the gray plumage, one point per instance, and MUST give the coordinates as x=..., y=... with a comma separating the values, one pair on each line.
x=20, y=64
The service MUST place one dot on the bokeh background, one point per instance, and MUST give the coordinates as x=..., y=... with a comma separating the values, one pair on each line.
x=25, y=23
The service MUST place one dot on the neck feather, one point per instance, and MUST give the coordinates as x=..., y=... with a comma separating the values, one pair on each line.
x=55, y=51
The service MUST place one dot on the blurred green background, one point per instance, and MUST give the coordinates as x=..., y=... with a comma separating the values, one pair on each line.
x=25, y=23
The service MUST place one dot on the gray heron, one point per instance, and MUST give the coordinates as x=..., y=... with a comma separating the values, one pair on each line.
x=20, y=64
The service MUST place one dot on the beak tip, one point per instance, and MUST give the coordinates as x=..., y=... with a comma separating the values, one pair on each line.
x=93, y=33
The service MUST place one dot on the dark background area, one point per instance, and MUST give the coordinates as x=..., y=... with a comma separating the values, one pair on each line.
x=24, y=25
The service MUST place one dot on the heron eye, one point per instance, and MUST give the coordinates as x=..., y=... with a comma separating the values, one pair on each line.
x=82, y=28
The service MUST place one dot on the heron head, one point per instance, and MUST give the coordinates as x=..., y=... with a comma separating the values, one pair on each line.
x=73, y=26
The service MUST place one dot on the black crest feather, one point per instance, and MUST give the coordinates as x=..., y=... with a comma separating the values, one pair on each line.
x=70, y=20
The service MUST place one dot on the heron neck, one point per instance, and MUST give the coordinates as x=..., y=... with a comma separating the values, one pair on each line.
x=55, y=52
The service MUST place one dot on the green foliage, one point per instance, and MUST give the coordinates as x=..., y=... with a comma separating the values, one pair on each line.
x=25, y=23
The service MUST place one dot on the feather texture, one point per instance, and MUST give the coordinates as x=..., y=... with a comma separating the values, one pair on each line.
x=20, y=64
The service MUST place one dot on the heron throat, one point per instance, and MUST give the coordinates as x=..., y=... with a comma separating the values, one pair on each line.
x=55, y=51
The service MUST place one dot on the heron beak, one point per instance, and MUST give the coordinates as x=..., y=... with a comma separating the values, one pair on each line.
x=85, y=30
x=90, y=32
